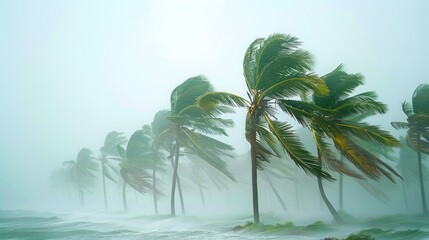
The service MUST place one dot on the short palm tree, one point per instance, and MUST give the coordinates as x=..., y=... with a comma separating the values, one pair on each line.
x=82, y=173
x=136, y=161
x=109, y=152
x=418, y=130
x=189, y=128
x=337, y=122
x=276, y=71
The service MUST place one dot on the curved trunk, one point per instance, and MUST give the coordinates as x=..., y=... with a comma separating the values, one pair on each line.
x=173, y=184
x=124, y=196
x=104, y=185
x=422, y=187
x=182, y=203
x=276, y=193
x=155, y=203
x=341, y=182
x=254, y=178
x=334, y=212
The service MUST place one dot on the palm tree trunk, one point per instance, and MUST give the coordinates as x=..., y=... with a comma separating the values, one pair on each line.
x=155, y=203
x=276, y=193
x=254, y=178
x=173, y=184
x=422, y=187
x=104, y=185
x=182, y=203
x=124, y=196
x=334, y=212
x=404, y=192
x=341, y=182
x=202, y=194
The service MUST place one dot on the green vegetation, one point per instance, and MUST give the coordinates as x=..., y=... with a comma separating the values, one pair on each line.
x=418, y=130
x=279, y=77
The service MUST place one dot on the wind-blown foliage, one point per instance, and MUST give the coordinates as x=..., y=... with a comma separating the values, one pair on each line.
x=136, y=161
x=418, y=129
x=109, y=152
x=82, y=172
x=275, y=71
x=335, y=121
x=189, y=128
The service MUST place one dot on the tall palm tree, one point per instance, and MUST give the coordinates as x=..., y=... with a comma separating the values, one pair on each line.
x=337, y=123
x=109, y=152
x=275, y=71
x=136, y=160
x=418, y=130
x=189, y=126
x=82, y=173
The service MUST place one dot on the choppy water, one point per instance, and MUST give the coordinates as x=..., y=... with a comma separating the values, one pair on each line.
x=96, y=225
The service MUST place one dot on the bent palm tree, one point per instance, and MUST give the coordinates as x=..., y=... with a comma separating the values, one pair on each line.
x=337, y=122
x=188, y=128
x=109, y=152
x=275, y=70
x=159, y=124
x=136, y=159
x=418, y=130
x=82, y=172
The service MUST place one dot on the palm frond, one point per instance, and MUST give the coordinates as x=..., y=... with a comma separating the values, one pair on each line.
x=360, y=104
x=369, y=133
x=330, y=160
x=211, y=100
x=407, y=109
x=400, y=125
x=187, y=93
x=292, y=87
x=364, y=160
x=250, y=63
x=295, y=149
x=200, y=144
x=421, y=99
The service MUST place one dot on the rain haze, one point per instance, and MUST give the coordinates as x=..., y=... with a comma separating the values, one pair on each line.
x=73, y=71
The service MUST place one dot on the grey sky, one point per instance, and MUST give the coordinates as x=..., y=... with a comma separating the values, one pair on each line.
x=71, y=71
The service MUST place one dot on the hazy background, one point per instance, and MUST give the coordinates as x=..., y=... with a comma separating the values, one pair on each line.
x=71, y=71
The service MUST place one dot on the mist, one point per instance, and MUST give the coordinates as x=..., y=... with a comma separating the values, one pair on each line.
x=73, y=71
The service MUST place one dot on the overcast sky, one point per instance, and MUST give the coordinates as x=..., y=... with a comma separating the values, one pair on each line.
x=71, y=71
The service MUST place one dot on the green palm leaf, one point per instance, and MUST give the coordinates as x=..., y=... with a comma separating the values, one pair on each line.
x=294, y=148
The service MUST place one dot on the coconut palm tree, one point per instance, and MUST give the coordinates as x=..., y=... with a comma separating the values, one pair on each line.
x=275, y=71
x=418, y=130
x=109, y=152
x=189, y=128
x=82, y=173
x=136, y=161
x=337, y=122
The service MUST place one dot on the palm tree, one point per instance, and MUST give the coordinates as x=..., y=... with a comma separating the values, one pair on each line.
x=82, y=171
x=337, y=123
x=136, y=160
x=159, y=124
x=407, y=167
x=418, y=130
x=109, y=152
x=189, y=126
x=275, y=71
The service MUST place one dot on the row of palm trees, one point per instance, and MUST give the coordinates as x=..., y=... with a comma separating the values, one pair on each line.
x=278, y=75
